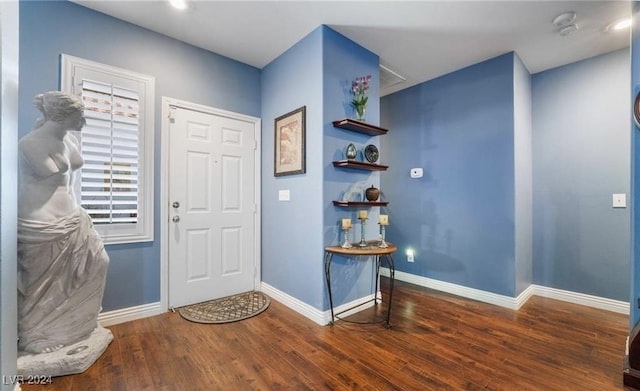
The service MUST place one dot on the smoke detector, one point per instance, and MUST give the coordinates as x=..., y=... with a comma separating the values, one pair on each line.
x=565, y=23
x=564, y=19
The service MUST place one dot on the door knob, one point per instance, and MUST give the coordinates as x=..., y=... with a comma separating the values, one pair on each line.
x=175, y=219
x=175, y=204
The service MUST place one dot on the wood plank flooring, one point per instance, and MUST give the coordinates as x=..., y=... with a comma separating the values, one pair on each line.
x=437, y=342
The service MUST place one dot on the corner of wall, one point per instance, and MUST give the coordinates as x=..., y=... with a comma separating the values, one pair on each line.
x=523, y=171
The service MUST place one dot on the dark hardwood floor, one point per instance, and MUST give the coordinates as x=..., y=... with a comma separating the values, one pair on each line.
x=437, y=342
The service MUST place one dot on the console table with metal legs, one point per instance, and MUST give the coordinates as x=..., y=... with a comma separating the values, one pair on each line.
x=371, y=251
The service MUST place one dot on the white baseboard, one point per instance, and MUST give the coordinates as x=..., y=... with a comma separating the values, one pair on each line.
x=621, y=307
x=458, y=290
x=319, y=317
x=511, y=302
x=323, y=317
x=300, y=307
x=110, y=318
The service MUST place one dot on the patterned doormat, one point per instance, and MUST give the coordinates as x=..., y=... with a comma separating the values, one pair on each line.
x=227, y=309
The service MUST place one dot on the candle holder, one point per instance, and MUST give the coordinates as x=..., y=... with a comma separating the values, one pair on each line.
x=363, y=243
x=382, y=243
x=345, y=243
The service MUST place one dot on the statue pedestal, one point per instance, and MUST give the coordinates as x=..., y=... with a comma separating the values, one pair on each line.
x=70, y=359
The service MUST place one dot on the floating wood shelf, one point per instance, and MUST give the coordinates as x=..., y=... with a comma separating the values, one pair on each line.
x=345, y=204
x=359, y=126
x=356, y=165
x=364, y=128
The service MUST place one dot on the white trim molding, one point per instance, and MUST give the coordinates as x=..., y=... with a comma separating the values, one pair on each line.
x=512, y=302
x=111, y=318
x=621, y=307
x=74, y=72
x=300, y=307
x=458, y=290
x=324, y=317
x=320, y=317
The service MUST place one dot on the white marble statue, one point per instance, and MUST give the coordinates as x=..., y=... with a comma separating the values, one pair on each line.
x=62, y=262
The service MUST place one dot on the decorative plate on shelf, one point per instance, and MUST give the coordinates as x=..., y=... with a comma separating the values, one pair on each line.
x=371, y=153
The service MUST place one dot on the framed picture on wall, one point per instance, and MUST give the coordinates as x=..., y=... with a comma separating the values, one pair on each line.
x=289, y=156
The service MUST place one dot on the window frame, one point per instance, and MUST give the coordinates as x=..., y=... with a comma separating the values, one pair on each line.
x=71, y=71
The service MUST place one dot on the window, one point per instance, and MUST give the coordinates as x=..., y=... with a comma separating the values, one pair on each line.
x=115, y=184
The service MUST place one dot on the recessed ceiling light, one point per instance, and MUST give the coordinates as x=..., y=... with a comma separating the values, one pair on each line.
x=621, y=24
x=179, y=4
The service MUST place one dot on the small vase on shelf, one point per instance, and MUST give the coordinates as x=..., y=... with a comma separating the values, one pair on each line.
x=360, y=90
x=360, y=113
x=351, y=152
x=372, y=194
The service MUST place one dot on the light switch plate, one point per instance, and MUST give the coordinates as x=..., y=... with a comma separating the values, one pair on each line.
x=284, y=195
x=620, y=200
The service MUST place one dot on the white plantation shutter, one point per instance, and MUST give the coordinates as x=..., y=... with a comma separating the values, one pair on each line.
x=116, y=181
x=109, y=143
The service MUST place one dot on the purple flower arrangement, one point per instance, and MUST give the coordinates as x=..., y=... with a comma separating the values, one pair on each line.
x=359, y=89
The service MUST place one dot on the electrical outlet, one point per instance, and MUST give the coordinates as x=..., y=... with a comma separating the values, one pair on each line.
x=409, y=253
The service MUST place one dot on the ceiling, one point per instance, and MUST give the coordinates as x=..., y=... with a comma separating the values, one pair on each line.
x=419, y=40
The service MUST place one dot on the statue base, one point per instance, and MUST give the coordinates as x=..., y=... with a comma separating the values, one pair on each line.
x=70, y=359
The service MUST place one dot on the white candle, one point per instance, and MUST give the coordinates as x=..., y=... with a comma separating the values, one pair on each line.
x=362, y=214
x=346, y=223
x=384, y=220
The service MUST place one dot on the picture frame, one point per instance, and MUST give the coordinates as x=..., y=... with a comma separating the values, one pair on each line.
x=289, y=156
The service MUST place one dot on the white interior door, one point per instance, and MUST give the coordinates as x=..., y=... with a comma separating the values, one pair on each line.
x=212, y=206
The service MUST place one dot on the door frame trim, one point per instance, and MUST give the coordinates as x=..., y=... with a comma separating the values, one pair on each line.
x=167, y=103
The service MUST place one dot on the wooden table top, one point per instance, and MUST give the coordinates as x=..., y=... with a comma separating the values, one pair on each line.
x=371, y=249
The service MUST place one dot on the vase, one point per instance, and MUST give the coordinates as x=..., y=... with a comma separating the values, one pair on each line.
x=360, y=110
x=372, y=193
x=351, y=152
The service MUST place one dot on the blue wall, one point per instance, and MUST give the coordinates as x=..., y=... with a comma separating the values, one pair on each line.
x=581, y=157
x=48, y=29
x=493, y=140
x=459, y=218
x=292, y=236
x=343, y=61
